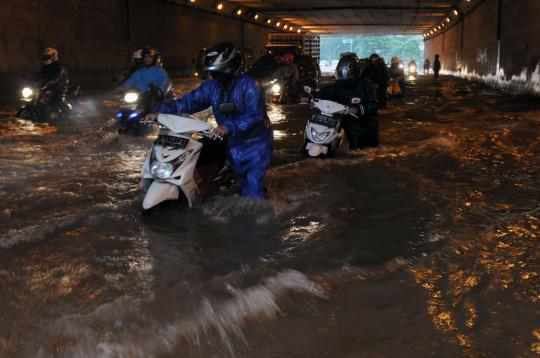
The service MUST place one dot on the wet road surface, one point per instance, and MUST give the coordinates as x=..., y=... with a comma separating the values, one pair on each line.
x=426, y=246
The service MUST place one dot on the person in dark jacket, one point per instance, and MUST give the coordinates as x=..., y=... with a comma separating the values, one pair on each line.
x=436, y=66
x=52, y=76
x=363, y=131
x=376, y=70
x=247, y=130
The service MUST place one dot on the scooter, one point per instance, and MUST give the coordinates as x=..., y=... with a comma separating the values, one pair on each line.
x=174, y=168
x=324, y=132
x=37, y=103
x=135, y=105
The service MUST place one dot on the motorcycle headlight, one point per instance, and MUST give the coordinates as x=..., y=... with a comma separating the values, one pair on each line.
x=412, y=68
x=276, y=88
x=131, y=97
x=27, y=92
x=161, y=170
x=319, y=136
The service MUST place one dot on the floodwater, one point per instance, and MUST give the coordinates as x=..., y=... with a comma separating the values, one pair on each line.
x=425, y=247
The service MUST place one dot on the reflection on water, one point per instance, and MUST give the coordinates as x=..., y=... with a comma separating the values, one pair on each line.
x=427, y=245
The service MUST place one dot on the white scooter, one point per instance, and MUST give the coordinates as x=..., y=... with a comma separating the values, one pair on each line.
x=170, y=168
x=324, y=132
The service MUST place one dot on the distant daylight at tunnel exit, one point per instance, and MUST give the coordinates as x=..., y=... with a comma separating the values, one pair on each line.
x=269, y=178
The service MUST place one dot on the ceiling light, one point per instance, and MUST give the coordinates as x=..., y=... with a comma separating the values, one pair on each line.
x=269, y=21
x=278, y=24
x=286, y=27
x=256, y=16
x=219, y=6
x=239, y=12
x=298, y=31
x=456, y=12
x=447, y=19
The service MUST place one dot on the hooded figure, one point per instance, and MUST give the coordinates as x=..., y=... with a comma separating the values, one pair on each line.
x=362, y=131
x=247, y=129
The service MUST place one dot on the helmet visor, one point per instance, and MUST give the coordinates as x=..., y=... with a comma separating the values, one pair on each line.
x=343, y=73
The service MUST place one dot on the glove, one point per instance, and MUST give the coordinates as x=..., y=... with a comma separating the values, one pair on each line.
x=357, y=110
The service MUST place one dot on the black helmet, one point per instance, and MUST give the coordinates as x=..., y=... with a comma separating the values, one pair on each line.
x=347, y=68
x=223, y=55
x=150, y=51
x=374, y=57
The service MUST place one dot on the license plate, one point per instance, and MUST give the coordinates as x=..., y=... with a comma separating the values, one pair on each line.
x=171, y=141
x=324, y=120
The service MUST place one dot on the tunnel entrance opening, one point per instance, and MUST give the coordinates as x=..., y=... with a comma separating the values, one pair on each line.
x=406, y=47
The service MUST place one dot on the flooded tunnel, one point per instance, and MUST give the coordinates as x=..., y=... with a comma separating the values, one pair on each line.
x=425, y=245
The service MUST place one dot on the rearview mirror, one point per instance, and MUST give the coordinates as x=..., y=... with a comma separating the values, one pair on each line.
x=307, y=89
x=356, y=100
x=227, y=108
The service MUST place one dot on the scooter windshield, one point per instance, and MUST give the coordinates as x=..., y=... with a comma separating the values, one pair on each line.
x=183, y=123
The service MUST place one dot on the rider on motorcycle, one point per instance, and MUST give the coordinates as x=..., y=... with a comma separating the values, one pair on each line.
x=397, y=77
x=287, y=72
x=137, y=62
x=363, y=131
x=376, y=70
x=151, y=73
x=249, y=138
x=52, y=78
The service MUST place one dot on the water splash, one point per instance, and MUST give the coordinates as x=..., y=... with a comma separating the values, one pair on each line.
x=527, y=82
x=133, y=335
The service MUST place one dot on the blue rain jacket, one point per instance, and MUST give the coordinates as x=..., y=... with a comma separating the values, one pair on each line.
x=249, y=141
x=144, y=76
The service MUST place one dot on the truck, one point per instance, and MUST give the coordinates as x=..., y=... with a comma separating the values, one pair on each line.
x=299, y=44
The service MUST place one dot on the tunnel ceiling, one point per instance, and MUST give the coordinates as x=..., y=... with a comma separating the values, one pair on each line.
x=356, y=16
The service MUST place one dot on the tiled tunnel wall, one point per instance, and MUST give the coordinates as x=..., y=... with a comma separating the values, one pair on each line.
x=95, y=38
x=471, y=46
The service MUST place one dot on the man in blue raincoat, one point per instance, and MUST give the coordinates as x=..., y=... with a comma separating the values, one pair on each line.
x=246, y=126
x=150, y=73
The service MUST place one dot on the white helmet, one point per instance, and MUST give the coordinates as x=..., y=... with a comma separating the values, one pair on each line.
x=49, y=56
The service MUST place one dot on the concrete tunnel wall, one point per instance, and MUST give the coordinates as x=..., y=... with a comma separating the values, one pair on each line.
x=96, y=38
x=470, y=48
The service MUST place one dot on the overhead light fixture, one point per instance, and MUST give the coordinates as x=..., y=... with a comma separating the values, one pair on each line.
x=291, y=28
x=456, y=12
x=298, y=31
x=442, y=24
x=439, y=27
x=268, y=21
x=219, y=6
x=431, y=32
x=256, y=17
x=278, y=24
x=285, y=26
x=239, y=11
x=447, y=19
